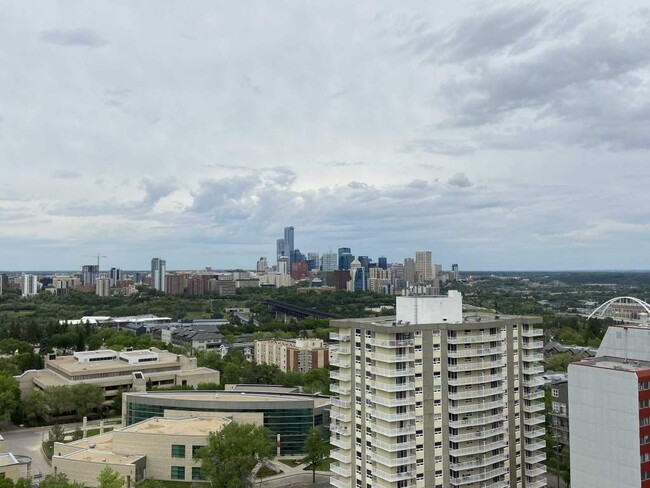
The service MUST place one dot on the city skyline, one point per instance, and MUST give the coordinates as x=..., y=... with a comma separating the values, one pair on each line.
x=511, y=136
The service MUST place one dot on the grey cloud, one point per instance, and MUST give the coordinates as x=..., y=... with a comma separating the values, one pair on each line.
x=156, y=190
x=460, y=180
x=73, y=37
x=448, y=147
x=63, y=174
x=342, y=164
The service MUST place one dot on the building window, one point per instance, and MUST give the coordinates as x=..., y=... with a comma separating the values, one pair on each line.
x=178, y=451
x=196, y=473
x=195, y=450
x=178, y=472
x=555, y=392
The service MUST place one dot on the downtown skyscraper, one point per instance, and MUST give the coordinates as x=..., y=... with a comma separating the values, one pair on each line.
x=433, y=398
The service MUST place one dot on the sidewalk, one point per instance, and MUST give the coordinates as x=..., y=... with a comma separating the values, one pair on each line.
x=293, y=476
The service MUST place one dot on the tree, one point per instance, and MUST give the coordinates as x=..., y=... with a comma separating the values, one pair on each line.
x=34, y=404
x=109, y=478
x=57, y=433
x=228, y=459
x=316, y=380
x=9, y=395
x=59, y=480
x=316, y=448
x=560, y=362
x=86, y=397
x=59, y=399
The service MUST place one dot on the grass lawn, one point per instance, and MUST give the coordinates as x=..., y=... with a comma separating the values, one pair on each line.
x=292, y=463
x=265, y=472
x=48, y=449
x=324, y=465
x=95, y=431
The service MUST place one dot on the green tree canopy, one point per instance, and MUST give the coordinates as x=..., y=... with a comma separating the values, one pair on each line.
x=9, y=395
x=59, y=480
x=109, y=478
x=317, y=449
x=317, y=380
x=228, y=459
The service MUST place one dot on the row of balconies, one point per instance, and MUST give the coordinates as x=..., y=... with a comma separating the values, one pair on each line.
x=393, y=432
x=532, y=344
x=343, y=417
x=478, y=448
x=391, y=373
x=391, y=358
x=475, y=407
x=534, y=433
x=476, y=379
x=340, y=443
x=335, y=388
x=391, y=402
x=340, y=337
x=478, y=477
x=475, y=365
x=467, y=353
x=393, y=417
x=394, y=461
x=471, y=422
x=532, y=332
x=476, y=393
x=391, y=387
x=479, y=463
x=394, y=446
x=477, y=435
x=475, y=338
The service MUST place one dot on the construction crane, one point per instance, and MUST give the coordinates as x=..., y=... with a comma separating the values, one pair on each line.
x=98, y=256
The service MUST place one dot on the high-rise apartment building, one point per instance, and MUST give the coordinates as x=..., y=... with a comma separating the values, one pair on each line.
x=158, y=271
x=103, y=286
x=89, y=273
x=609, y=411
x=423, y=266
x=289, y=244
x=409, y=270
x=29, y=285
x=329, y=261
x=455, y=274
x=432, y=398
x=262, y=265
x=116, y=275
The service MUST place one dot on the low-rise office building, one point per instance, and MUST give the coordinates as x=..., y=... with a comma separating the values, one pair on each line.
x=158, y=448
x=282, y=411
x=118, y=371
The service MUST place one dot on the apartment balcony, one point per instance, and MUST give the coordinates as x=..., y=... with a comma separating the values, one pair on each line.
x=337, y=336
x=339, y=349
x=534, y=433
x=391, y=343
x=468, y=353
x=534, y=420
x=534, y=407
x=393, y=417
x=336, y=483
x=532, y=344
x=339, y=389
x=393, y=462
x=339, y=429
x=337, y=375
x=479, y=463
x=475, y=407
x=536, y=470
x=533, y=333
x=340, y=443
x=479, y=434
x=534, y=395
x=339, y=416
x=498, y=484
x=393, y=446
x=392, y=358
x=391, y=387
x=537, y=484
x=338, y=456
x=336, y=361
x=392, y=402
x=531, y=357
x=392, y=373
x=538, y=369
x=473, y=339
x=458, y=424
x=393, y=432
x=339, y=403
x=478, y=477
x=393, y=477
x=535, y=446
x=475, y=365
x=537, y=458
x=535, y=382
x=337, y=469
x=475, y=393
x=477, y=449
x=476, y=379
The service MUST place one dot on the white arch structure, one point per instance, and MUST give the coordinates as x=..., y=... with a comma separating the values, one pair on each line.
x=621, y=307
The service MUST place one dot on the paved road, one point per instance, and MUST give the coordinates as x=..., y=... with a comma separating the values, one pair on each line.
x=301, y=480
x=28, y=442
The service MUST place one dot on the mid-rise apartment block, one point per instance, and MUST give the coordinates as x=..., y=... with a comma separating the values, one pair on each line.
x=609, y=412
x=292, y=354
x=435, y=398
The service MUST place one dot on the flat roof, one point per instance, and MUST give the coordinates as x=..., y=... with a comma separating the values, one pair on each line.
x=101, y=442
x=198, y=426
x=606, y=362
x=468, y=318
x=94, y=456
x=70, y=365
x=7, y=459
x=220, y=396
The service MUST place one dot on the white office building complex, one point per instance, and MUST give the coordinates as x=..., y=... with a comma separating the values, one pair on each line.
x=435, y=398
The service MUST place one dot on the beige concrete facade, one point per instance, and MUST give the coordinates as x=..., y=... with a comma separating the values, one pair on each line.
x=114, y=371
x=14, y=467
x=292, y=354
x=158, y=448
x=444, y=403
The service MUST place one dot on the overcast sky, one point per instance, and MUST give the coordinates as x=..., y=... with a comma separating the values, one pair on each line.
x=505, y=136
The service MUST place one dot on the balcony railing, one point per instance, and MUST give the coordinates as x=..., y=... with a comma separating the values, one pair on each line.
x=338, y=456
x=533, y=369
x=393, y=417
x=392, y=358
x=476, y=379
x=537, y=458
x=393, y=477
x=392, y=373
x=532, y=344
x=539, y=381
x=475, y=407
x=392, y=402
x=339, y=403
x=534, y=395
x=534, y=420
x=533, y=333
x=393, y=462
x=468, y=353
x=336, y=361
x=394, y=446
x=476, y=393
x=479, y=463
x=337, y=375
x=458, y=424
x=340, y=443
x=534, y=446
x=337, y=469
x=532, y=357
x=390, y=387
x=339, y=429
x=478, y=477
x=534, y=407
x=477, y=449
x=336, y=336
x=339, y=389
x=393, y=432
x=537, y=470
x=472, y=339
x=339, y=416
x=336, y=483
x=475, y=365
x=536, y=484
x=391, y=343
x=479, y=434
x=533, y=433
x=339, y=349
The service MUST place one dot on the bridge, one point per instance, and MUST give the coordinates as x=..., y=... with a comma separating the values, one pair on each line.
x=622, y=308
x=289, y=310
